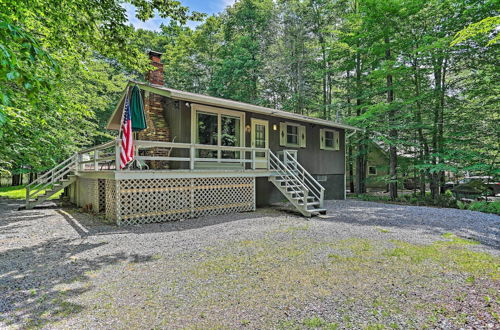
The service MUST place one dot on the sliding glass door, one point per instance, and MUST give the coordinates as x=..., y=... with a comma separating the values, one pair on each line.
x=220, y=128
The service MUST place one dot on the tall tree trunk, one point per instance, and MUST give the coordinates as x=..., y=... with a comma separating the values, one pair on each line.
x=393, y=133
x=437, y=129
x=441, y=177
x=361, y=160
x=424, y=145
x=16, y=179
x=325, y=92
x=349, y=147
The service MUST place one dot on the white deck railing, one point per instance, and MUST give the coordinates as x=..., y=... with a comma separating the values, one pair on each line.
x=107, y=155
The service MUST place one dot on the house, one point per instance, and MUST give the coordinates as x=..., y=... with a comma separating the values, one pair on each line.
x=203, y=155
x=377, y=169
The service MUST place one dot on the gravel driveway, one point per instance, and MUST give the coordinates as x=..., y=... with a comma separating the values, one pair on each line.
x=364, y=265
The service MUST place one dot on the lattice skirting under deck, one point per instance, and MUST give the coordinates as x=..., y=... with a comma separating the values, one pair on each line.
x=138, y=201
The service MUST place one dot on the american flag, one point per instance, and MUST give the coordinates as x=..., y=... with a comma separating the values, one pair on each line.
x=127, y=149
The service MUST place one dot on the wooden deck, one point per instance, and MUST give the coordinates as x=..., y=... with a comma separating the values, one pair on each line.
x=153, y=160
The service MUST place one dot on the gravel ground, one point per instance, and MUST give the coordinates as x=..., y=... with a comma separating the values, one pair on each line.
x=364, y=265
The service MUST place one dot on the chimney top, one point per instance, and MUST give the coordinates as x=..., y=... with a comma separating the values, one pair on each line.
x=155, y=76
x=154, y=53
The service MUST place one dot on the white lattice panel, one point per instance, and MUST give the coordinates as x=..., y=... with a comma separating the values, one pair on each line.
x=214, y=196
x=157, y=200
x=111, y=207
x=153, y=200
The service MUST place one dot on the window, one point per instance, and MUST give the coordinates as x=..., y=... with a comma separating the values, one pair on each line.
x=292, y=135
x=372, y=170
x=217, y=127
x=207, y=133
x=329, y=139
x=230, y=136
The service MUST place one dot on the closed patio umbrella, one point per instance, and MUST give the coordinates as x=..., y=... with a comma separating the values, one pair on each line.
x=137, y=110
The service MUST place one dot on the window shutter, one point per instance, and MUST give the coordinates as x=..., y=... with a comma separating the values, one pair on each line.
x=322, y=139
x=302, y=136
x=282, y=134
x=336, y=136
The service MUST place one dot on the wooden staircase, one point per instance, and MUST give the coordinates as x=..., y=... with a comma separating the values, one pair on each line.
x=298, y=185
x=51, y=182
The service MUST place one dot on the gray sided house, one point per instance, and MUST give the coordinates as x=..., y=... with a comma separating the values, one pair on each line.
x=377, y=169
x=203, y=155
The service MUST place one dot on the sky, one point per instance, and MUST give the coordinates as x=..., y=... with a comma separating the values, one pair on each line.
x=204, y=6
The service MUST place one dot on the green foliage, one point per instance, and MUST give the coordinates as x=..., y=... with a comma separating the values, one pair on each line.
x=63, y=65
x=482, y=27
x=487, y=207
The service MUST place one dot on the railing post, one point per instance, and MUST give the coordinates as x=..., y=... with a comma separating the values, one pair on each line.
x=79, y=163
x=253, y=159
x=96, y=156
x=117, y=155
x=268, y=157
x=321, y=197
x=191, y=157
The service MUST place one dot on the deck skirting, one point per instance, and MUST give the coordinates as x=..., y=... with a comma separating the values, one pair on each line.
x=140, y=201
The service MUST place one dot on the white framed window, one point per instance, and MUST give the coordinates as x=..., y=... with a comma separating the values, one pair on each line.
x=217, y=127
x=292, y=135
x=372, y=170
x=329, y=139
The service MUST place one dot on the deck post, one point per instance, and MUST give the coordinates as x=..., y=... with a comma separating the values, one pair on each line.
x=191, y=157
x=80, y=160
x=253, y=159
x=96, y=156
x=117, y=155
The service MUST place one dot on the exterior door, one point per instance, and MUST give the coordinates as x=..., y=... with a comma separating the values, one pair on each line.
x=260, y=139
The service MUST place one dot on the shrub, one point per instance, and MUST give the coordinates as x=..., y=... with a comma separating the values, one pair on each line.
x=487, y=207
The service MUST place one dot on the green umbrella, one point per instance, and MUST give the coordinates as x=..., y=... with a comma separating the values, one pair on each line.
x=137, y=110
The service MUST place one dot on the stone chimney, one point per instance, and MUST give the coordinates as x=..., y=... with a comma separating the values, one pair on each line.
x=156, y=76
x=154, y=104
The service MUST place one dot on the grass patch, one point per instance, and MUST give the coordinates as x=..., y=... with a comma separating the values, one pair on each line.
x=457, y=240
x=450, y=255
x=364, y=271
x=19, y=192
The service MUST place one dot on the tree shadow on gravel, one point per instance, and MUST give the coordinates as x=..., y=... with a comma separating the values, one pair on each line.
x=86, y=224
x=38, y=282
x=91, y=225
x=9, y=213
x=484, y=228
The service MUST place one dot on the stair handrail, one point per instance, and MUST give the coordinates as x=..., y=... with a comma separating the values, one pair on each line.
x=287, y=171
x=307, y=178
x=50, y=177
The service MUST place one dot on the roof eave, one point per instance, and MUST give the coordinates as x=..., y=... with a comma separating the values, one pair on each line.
x=210, y=100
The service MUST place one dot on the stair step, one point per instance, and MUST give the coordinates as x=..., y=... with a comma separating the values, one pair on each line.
x=317, y=211
x=309, y=204
x=301, y=198
x=285, y=180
